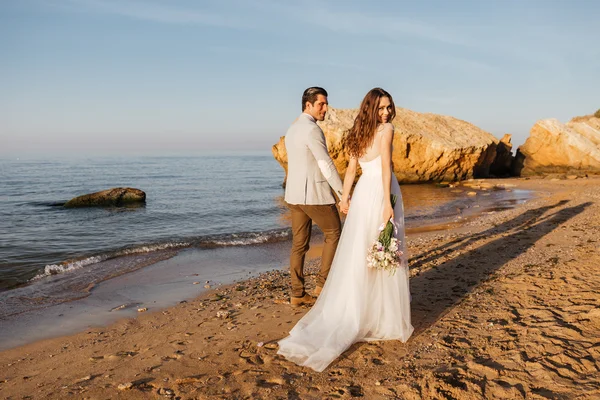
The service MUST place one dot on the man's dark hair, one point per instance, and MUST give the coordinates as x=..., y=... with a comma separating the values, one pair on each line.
x=311, y=94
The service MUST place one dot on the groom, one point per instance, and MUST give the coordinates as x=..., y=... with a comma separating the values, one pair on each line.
x=311, y=175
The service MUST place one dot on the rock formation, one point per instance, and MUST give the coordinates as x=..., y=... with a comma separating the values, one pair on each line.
x=427, y=147
x=554, y=147
x=110, y=197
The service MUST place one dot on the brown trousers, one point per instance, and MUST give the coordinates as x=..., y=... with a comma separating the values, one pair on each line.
x=327, y=219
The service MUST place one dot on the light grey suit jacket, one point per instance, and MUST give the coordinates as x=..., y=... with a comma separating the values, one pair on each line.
x=311, y=173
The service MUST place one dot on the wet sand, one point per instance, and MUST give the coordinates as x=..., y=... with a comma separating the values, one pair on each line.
x=186, y=275
x=505, y=306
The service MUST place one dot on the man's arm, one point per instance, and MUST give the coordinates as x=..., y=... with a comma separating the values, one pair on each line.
x=318, y=147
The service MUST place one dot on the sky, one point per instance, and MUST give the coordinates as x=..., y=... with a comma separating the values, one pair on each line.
x=186, y=77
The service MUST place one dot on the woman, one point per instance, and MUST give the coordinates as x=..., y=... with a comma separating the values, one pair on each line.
x=359, y=303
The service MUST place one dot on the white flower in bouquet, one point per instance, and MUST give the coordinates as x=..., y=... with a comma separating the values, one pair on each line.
x=385, y=252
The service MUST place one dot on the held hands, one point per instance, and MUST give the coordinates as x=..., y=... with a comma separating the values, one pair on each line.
x=388, y=213
x=345, y=206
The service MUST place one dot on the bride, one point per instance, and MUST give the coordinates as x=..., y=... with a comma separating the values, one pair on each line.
x=359, y=303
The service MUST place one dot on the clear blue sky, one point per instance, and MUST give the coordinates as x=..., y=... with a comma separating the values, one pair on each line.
x=133, y=76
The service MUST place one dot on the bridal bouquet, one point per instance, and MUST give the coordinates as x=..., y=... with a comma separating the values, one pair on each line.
x=385, y=252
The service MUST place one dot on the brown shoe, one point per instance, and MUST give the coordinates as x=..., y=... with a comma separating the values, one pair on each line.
x=318, y=291
x=304, y=300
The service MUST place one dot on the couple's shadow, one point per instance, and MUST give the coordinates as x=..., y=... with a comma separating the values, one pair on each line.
x=439, y=288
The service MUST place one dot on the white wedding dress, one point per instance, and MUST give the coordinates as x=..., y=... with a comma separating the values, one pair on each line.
x=357, y=303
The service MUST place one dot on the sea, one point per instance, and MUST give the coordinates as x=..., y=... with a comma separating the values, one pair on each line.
x=210, y=203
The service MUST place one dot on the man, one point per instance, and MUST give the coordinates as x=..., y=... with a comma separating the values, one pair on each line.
x=311, y=175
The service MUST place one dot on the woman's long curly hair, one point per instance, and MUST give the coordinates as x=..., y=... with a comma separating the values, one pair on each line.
x=361, y=135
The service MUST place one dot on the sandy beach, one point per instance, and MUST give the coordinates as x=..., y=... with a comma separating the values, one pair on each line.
x=504, y=306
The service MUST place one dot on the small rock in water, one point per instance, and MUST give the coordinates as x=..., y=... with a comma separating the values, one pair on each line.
x=111, y=197
x=196, y=283
x=142, y=309
x=207, y=286
x=471, y=193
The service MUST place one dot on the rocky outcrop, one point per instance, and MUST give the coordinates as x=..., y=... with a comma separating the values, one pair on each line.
x=588, y=127
x=280, y=154
x=427, y=147
x=110, y=197
x=554, y=147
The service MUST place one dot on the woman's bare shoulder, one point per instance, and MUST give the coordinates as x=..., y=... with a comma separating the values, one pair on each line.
x=386, y=128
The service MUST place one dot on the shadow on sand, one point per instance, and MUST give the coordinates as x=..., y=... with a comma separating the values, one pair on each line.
x=466, y=269
x=436, y=291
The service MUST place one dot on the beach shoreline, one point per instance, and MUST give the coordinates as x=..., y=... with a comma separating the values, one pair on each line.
x=153, y=288
x=67, y=302
x=478, y=299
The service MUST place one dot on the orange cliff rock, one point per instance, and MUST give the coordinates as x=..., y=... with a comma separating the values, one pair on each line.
x=427, y=147
x=554, y=147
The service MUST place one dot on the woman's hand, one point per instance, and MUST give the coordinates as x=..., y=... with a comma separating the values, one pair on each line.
x=388, y=212
x=344, y=206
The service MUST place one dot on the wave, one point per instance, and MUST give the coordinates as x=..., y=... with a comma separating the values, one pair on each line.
x=73, y=265
x=247, y=238
x=67, y=266
x=213, y=241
